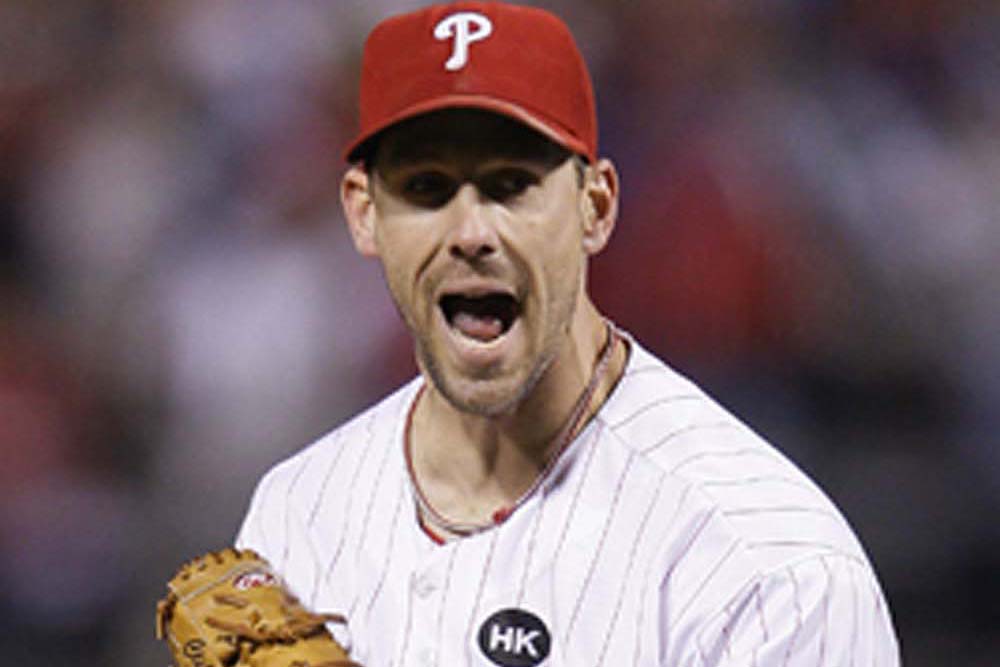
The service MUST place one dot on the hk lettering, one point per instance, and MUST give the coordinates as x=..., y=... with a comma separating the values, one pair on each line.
x=464, y=28
x=514, y=640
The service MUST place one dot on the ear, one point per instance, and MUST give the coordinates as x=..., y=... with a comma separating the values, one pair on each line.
x=358, y=202
x=600, y=205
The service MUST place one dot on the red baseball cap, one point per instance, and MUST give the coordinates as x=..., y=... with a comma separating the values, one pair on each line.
x=518, y=61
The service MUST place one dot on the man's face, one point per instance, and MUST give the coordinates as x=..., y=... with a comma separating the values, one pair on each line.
x=478, y=224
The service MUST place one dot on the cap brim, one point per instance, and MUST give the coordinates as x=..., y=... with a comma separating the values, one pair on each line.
x=357, y=149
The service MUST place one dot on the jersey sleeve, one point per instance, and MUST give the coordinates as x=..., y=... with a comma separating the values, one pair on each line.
x=262, y=530
x=825, y=611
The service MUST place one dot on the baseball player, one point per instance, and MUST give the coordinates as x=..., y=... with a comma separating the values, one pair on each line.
x=545, y=492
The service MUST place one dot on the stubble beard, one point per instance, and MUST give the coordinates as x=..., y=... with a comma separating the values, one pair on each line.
x=468, y=401
x=510, y=398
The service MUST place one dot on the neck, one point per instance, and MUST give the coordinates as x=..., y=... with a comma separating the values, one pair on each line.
x=467, y=466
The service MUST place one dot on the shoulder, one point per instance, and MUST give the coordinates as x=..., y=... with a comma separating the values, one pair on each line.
x=757, y=551
x=330, y=466
x=760, y=497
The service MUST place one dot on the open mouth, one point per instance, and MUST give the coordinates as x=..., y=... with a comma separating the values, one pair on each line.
x=482, y=318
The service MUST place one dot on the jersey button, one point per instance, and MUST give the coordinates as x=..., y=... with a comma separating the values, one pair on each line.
x=424, y=585
x=427, y=657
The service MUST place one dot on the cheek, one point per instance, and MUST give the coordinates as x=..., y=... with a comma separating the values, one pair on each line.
x=564, y=279
x=562, y=240
x=405, y=251
x=559, y=257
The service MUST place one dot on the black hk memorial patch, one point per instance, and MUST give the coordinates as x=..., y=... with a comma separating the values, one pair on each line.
x=515, y=638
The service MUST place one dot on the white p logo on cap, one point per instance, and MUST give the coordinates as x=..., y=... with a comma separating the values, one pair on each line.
x=465, y=28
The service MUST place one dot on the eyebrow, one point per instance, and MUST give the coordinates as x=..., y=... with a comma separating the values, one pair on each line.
x=432, y=151
x=409, y=151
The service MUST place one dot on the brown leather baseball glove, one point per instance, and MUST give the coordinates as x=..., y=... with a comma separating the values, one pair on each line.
x=229, y=608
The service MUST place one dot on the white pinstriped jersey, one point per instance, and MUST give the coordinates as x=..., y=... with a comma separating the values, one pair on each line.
x=668, y=534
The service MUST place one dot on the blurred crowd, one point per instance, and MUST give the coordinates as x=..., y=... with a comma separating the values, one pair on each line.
x=809, y=228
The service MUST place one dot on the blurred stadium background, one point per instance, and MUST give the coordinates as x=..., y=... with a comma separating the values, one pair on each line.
x=809, y=228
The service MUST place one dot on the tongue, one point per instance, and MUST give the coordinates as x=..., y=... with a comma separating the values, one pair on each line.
x=480, y=327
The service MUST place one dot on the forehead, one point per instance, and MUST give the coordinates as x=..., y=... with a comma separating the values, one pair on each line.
x=465, y=135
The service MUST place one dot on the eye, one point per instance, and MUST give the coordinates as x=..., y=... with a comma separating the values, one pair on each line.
x=507, y=183
x=429, y=188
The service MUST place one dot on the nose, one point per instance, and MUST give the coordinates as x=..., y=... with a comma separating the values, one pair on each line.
x=473, y=235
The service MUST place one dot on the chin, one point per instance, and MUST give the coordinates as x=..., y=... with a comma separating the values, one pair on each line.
x=486, y=398
x=490, y=392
